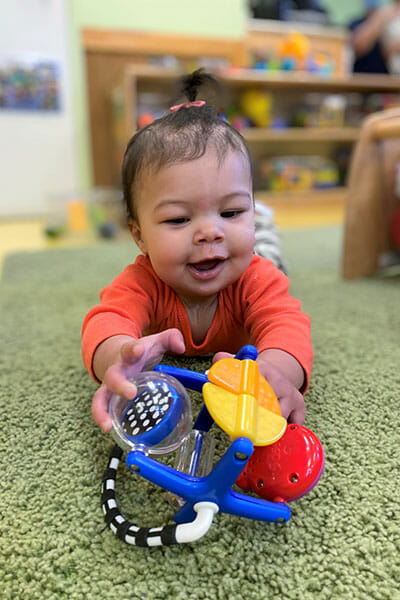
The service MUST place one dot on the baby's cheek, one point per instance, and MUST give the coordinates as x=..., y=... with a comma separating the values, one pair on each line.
x=247, y=240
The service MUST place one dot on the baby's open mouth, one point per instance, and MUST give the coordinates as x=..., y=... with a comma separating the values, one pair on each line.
x=206, y=265
x=205, y=270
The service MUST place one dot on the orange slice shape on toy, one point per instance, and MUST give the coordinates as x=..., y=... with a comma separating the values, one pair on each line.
x=236, y=376
x=242, y=403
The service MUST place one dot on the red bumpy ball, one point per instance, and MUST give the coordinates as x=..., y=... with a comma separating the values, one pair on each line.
x=287, y=469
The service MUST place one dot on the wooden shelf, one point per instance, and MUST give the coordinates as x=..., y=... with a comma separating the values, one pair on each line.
x=306, y=209
x=298, y=80
x=284, y=199
x=150, y=44
x=302, y=134
x=303, y=81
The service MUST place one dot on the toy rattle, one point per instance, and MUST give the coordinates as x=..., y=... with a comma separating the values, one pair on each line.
x=278, y=461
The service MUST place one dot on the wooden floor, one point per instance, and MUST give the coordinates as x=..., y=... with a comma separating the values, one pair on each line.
x=23, y=235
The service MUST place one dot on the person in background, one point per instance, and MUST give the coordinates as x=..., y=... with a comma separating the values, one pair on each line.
x=370, y=41
x=282, y=9
x=391, y=40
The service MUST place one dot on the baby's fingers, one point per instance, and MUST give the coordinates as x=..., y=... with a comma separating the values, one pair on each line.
x=293, y=408
x=174, y=341
x=100, y=408
x=298, y=415
x=117, y=383
x=221, y=355
x=132, y=351
x=145, y=353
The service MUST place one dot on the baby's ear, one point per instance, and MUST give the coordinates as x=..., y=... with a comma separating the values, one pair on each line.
x=137, y=235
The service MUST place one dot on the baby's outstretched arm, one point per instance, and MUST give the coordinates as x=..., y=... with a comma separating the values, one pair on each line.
x=286, y=376
x=120, y=357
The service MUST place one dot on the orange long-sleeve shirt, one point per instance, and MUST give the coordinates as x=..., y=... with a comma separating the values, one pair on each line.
x=256, y=309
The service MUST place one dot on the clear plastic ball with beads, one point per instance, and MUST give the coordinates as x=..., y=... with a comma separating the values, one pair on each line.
x=157, y=419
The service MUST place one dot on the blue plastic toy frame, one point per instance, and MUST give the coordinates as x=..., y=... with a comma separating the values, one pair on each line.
x=216, y=486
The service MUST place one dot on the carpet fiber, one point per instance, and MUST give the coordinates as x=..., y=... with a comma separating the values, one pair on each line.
x=343, y=541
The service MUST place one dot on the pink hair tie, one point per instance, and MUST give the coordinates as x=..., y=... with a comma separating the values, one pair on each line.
x=187, y=105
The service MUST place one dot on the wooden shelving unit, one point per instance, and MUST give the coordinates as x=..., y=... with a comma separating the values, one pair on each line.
x=110, y=55
x=309, y=140
x=149, y=77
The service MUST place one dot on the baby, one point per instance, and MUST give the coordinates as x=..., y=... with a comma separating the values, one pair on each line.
x=197, y=287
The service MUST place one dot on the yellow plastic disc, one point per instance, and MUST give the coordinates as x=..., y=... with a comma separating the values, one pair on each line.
x=241, y=415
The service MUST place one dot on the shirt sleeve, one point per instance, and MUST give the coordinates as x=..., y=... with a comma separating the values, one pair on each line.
x=124, y=309
x=273, y=317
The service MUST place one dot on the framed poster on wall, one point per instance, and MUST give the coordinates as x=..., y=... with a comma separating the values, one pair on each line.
x=30, y=83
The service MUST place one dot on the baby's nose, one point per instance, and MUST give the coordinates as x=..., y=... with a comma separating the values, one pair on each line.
x=208, y=232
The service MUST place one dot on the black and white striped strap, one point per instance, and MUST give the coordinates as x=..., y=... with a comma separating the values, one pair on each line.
x=124, y=529
x=149, y=536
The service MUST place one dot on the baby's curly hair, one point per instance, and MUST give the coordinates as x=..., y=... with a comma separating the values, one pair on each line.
x=179, y=136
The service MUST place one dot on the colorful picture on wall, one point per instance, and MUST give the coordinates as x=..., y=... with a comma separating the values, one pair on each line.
x=30, y=84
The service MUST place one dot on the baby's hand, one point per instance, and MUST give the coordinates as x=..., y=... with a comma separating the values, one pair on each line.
x=133, y=357
x=291, y=401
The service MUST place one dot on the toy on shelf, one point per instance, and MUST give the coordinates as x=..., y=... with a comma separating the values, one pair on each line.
x=256, y=106
x=259, y=60
x=280, y=462
x=145, y=119
x=299, y=173
x=294, y=50
x=320, y=63
x=98, y=211
x=332, y=111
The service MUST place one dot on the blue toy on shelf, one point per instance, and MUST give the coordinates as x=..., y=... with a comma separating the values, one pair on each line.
x=159, y=421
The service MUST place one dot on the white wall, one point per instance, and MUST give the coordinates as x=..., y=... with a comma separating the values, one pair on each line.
x=38, y=156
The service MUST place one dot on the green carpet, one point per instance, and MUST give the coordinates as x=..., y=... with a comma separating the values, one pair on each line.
x=343, y=541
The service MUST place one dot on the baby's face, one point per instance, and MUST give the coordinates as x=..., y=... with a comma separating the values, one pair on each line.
x=196, y=223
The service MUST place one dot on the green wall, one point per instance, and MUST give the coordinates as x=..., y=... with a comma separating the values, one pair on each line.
x=197, y=17
x=343, y=11
x=225, y=18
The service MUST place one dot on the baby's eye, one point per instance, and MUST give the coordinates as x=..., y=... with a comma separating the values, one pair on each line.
x=229, y=214
x=177, y=221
